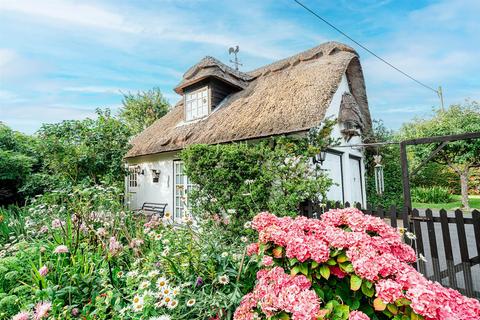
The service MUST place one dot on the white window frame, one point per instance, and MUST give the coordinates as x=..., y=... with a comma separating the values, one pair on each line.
x=132, y=177
x=182, y=187
x=197, y=104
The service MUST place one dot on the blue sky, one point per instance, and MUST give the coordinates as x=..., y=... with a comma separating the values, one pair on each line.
x=62, y=59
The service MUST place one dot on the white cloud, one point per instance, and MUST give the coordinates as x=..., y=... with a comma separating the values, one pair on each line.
x=170, y=23
x=97, y=89
x=71, y=12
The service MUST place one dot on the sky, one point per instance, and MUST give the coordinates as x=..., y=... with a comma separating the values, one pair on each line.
x=62, y=59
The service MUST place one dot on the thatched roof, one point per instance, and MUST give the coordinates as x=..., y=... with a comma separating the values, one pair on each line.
x=290, y=95
x=211, y=67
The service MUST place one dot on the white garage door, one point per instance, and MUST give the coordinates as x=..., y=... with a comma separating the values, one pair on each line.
x=356, y=183
x=332, y=166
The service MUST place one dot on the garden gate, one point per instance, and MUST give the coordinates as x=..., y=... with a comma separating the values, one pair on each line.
x=445, y=243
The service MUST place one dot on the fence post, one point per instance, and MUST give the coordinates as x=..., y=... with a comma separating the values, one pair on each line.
x=432, y=238
x=380, y=213
x=447, y=245
x=476, y=228
x=466, y=265
x=393, y=216
x=417, y=227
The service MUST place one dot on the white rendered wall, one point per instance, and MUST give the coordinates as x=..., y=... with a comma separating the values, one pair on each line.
x=147, y=190
x=346, y=152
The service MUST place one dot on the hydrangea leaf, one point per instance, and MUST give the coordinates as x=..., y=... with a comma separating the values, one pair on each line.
x=325, y=271
x=355, y=282
x=379, y=305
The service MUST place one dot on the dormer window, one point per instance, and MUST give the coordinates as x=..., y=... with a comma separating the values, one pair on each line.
x=196, y=104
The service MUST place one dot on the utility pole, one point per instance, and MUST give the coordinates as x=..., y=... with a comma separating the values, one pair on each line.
x=440, y=95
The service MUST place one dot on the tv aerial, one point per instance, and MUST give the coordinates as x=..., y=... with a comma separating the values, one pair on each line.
x=235, y=50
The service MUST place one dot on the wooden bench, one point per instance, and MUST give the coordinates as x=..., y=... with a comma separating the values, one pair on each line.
x=155, y=208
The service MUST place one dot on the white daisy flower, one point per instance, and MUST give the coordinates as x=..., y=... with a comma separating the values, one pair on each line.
x=137, y=299
x=158, y=237
x=162, y=283
x=165, y=252
x=190, y=302
x=137, y=307
x=144, y=285
x=166, y=300
x=223, y=279
x=153, y=273
x=172, y=304
x=166, y=291
x=175, y=291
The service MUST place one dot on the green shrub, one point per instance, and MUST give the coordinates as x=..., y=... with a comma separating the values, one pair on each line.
x=242, y=179
x=431, y=195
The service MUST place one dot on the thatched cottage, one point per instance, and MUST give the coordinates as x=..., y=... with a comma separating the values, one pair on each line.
x=219, y=105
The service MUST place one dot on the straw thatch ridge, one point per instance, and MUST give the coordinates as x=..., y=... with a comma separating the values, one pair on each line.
x=211, y=67
x=290, y=95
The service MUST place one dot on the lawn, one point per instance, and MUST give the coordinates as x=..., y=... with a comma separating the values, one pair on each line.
x=457, y=203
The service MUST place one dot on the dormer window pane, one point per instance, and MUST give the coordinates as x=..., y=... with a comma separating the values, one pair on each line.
x=196, y=104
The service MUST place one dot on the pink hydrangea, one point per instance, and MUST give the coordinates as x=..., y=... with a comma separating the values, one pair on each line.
x=267, y=261
x=376, y=251
x=388, y=290
x=358, y=315
x=277, y=291
x=252, y=249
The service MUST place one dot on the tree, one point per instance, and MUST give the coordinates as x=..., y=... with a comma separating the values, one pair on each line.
x=461, y=156
x=89, y=149
x=17, y=161
x=142, y=109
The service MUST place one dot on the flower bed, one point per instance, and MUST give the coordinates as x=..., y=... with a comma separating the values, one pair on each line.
x=346, y=265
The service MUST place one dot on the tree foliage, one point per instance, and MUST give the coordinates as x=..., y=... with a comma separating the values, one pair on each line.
x=17, y=160
x=142, y=109
x=461, y=156
x=92, y=149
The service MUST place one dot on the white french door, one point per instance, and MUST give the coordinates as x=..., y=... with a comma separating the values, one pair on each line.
x=181, y=189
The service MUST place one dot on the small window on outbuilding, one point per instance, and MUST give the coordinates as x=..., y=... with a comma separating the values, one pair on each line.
x=196, y=104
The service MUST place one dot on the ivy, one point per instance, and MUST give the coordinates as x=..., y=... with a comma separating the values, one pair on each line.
x=242, y=179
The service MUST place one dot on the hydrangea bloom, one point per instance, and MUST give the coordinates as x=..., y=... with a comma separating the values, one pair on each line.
x=277, y=291
x=375, y=250
x=358, y=315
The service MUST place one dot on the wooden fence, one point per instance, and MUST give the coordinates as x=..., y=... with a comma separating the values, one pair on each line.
x=444, y=242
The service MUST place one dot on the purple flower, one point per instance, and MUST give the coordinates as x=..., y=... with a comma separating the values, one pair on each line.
x=75, y=312
x=199, y=282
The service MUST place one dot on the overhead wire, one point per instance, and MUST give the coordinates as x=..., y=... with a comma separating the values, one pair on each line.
x=366, y=49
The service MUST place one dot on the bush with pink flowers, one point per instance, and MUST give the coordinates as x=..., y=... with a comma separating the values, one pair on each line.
x=346, y=265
